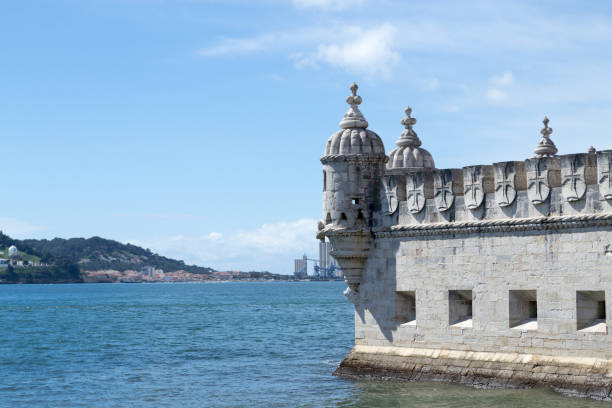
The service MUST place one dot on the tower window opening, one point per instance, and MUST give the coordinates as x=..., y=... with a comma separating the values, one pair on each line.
x=460, y=308
x=328, y=219
x=324, y=180
x=523, y=310
x=355, y=201
x=405, y=308
x=591, y=311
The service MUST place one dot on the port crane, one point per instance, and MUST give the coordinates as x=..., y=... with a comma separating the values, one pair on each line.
x=322, y=273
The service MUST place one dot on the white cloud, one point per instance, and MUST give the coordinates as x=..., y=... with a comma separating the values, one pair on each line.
x=496, y=95
x=505, y=79
x=17, y=228
x=232, y=46
x=270, y=247
x=498, y=92
x=328, y=4
x=369, y=52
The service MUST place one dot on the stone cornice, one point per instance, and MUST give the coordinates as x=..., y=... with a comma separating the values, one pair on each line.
x=497, y=225
x=355, y=158
x=338, y=231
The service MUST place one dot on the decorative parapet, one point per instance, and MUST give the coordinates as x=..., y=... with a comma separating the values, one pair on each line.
x=419, y=188
x=477, y=182
x=577, y=171
x=510, y=177
x=543, y=174
x=604, y=164
x=447, y=184
x=573, y=184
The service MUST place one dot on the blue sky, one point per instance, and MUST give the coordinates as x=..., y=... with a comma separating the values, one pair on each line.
x=195, y=127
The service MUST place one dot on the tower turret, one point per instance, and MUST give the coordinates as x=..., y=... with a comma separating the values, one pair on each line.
x=409, y=154
x=353, y=165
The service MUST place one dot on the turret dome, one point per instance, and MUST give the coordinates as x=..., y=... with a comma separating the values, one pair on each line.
x=408, y=153
x=354, y=137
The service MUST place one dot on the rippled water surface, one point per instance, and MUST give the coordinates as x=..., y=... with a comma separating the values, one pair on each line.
x=201, y=345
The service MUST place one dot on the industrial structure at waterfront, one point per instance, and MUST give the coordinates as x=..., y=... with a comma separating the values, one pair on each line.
x=325, y=268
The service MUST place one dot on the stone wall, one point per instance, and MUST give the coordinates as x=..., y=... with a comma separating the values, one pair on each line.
x=555, y=263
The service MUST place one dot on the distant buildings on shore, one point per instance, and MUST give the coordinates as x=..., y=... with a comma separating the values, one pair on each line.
x=301, y=267
x=325, y=267
x=16, y=259
x=150, y=274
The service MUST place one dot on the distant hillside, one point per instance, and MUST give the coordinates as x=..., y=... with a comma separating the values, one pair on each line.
x=98, y=253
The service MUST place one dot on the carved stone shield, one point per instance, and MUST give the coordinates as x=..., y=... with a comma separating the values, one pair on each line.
x=604, y=162
x=389, y=194
x=443, y=189
x=538, y=187
x=573, y=176
x=505, y=183
x=473, y=187
x=415, y=192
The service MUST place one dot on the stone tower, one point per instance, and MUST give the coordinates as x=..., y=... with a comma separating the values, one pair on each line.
x=492, y=275
x=353, y=164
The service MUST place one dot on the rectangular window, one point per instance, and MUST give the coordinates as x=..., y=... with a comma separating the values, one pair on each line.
x=460, y=308
x=324, y=180
x=591, y=311
x=405, y=307
x=523, y=310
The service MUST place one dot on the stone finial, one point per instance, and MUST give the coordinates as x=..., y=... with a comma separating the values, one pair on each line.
x=353, y=117
x=592, y=150
x=409, y=136
x=546, y=147
x=354, y=99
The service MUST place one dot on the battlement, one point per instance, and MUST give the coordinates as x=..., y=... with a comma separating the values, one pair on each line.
x=572, y=184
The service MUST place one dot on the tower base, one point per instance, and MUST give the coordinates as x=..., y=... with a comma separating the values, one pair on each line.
x=573, y=376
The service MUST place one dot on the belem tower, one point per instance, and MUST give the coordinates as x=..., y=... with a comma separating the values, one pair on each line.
x=490, y=275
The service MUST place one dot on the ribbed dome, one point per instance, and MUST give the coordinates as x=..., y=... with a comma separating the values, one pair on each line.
x=354, y=141
x=409, y=156
x=354, y=137
x=408, y=153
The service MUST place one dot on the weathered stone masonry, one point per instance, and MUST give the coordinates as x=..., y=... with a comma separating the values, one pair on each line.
x=494, y=275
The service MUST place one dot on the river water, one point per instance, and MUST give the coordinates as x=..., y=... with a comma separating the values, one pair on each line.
x=202, y=345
